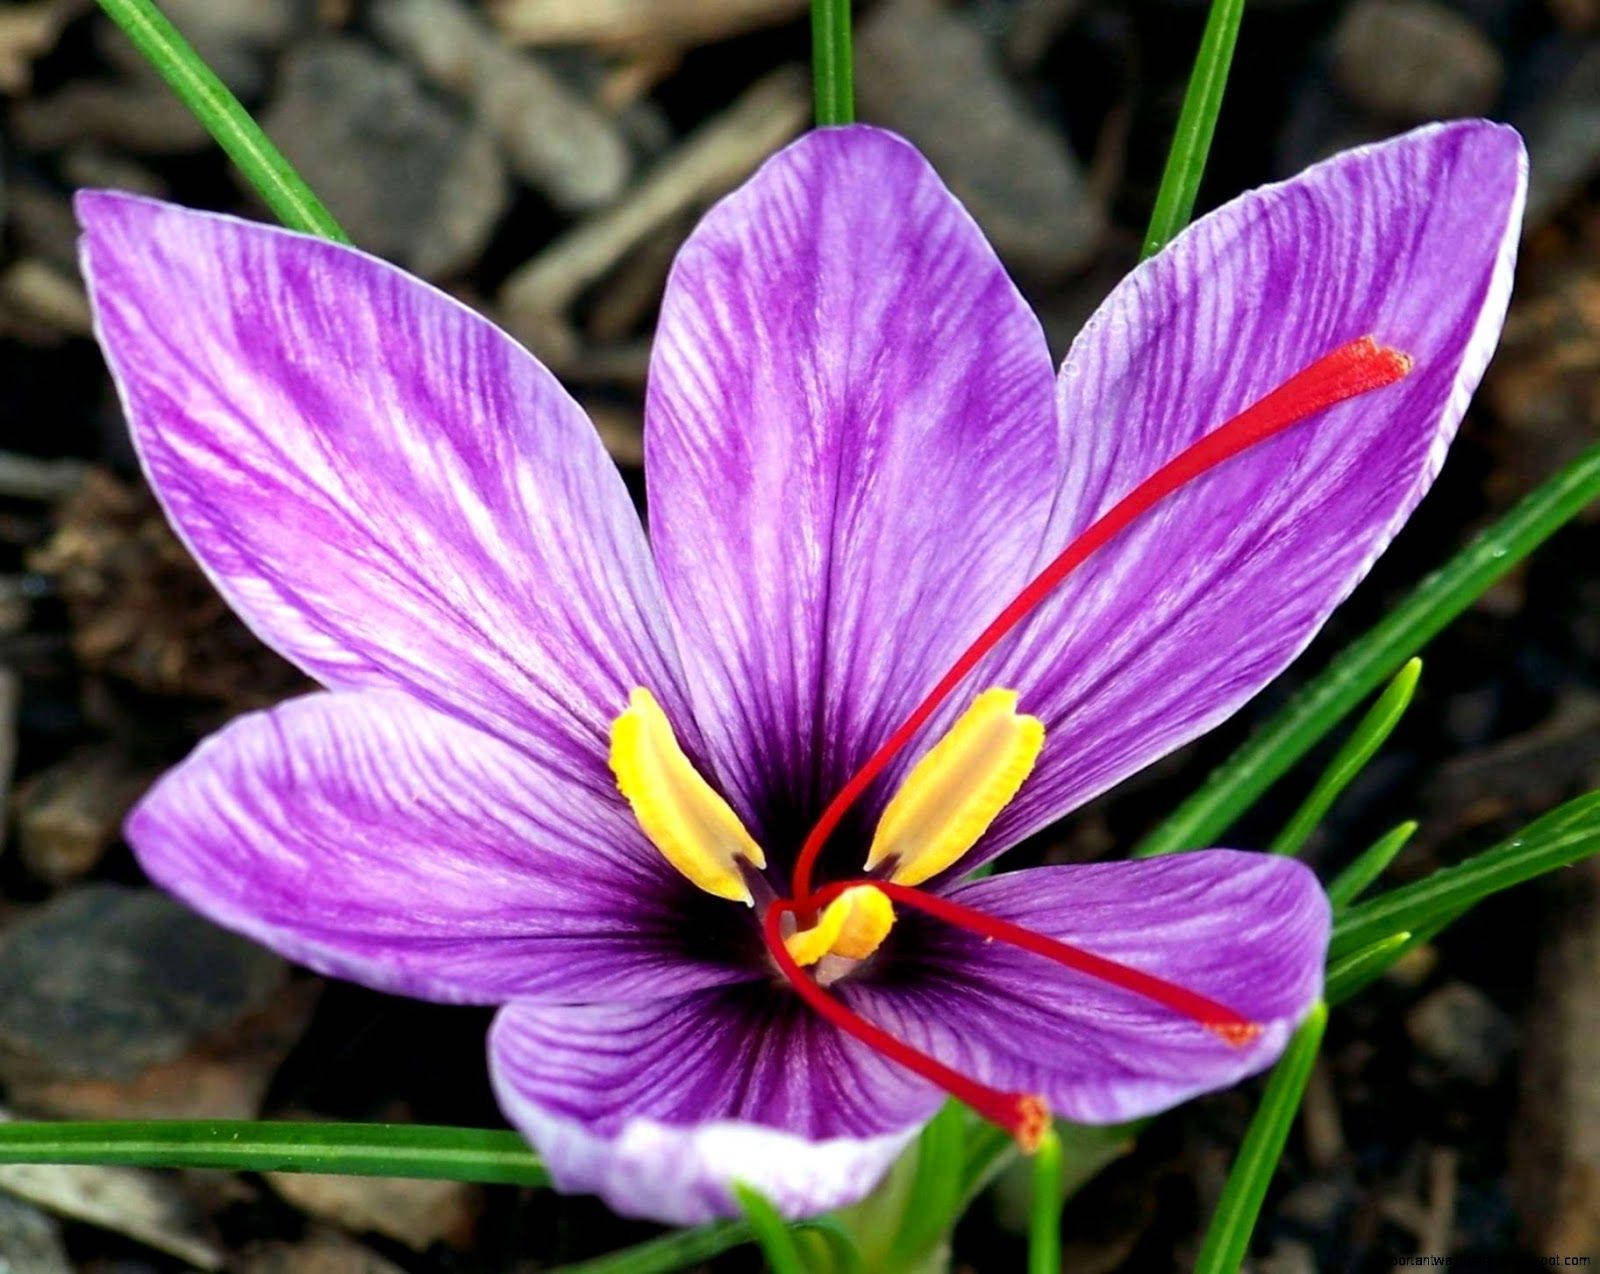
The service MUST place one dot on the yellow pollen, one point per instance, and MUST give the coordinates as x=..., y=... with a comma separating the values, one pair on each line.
x=684, y=817
x=952, y=795
x=853, y=925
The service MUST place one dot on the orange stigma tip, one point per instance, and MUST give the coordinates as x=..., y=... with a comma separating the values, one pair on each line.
x=1238, y=1034
x=1031, y=1123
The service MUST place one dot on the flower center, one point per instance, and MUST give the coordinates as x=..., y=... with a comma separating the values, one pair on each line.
x=954, y=792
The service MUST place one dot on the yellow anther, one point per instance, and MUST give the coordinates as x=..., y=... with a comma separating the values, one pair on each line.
x=952, y=795
x=853, y=925
x=693, y=827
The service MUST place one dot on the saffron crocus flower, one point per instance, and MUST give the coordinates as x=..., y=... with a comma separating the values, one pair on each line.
x=701, y=813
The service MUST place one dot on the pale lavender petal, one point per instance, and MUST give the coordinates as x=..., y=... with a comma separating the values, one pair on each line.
x=374, y=839
x=386, y=487
x=851, y=451
x=659, y=1108
x=1247, y=930
x=1184, y=617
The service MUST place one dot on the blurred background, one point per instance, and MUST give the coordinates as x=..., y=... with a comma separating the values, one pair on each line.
x=543, y=159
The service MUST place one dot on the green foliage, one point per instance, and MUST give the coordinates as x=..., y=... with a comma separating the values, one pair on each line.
x=1228, y=1235
x=832, y=67
x=1351, y=759
x=1197, y=122
x=1372, y=658
x=1371, y=863
x=1044, y=1217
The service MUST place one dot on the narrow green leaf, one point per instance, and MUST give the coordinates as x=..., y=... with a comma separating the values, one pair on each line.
x=373, y=1150
x=674, y=1251
x=1347, y=976
x=1564, y=836
x=1044, y=1217
x=1371, y=863
x=832, y=69
x=1197, y=122
x=1373, y=657
x=208, y=98
x=934, y=1200
x=1362, y=745
x=989, y=1149
x=1228, y=1235
x=772, y=1233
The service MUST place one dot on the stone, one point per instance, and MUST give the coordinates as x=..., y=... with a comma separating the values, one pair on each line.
x=928, y=72
x=657, y=23
x=30, y=1241
x=1562, y=130
x=237, y=38
x=105, y=981
x=417, y=1213
x=1415, y=60
x=1462, y=1030
x=553, y=138
x=70, y=813
x=407, y=177
x=321, y=1253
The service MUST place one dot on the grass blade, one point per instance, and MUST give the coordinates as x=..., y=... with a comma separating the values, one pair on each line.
x=1347, y=976
x=1372, y=658
x=1563, y=837
x=1044, y=1217
x=832, y=69
x=209, y=99
x=673, y=1251
x=1371, y=863
x=776, y=1240
x=373, y=1150
x=1362, y=745
x=1197, y=122
x=1228, y=1235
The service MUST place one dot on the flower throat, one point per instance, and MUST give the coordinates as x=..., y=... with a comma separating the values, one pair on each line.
x=1353, y=369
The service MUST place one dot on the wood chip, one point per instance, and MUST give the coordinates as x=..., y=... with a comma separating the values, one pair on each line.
x=537, y=299
x=637, y=22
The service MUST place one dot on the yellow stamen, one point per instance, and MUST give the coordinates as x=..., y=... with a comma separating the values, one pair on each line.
x=952, y=795
x=684, y=817
x=853, y=925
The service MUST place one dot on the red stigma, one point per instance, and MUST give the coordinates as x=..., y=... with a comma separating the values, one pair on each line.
x=1353, y=369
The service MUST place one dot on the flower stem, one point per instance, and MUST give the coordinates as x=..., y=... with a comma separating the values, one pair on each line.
x=374, y=1150
x=1197, y=122
x=262, y=163
x=831, y=70
x=1373, y=657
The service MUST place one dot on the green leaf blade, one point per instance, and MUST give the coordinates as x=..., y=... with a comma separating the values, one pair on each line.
x=211, y=102
x=1565, y=836
x=1228, y=1236
x=1371, y=863
x=1370, y=734
x=1197, y=124
x=1374, y=657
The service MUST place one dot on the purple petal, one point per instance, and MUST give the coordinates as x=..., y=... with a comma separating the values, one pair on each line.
x=851, y=452
x=659, y=1108
x=374, y=839
x=1248, y=930
x=1188, y=614
x=386, y=487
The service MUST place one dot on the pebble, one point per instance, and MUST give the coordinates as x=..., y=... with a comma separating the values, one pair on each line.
x=930, y=73
x=322, y=1253
x=553, y=138
x=30, y=1240
x=408, y=178
x=70, y=813
x=105, y=980
x=1415, y=60
x=417, y=1213
x=1462, y=1030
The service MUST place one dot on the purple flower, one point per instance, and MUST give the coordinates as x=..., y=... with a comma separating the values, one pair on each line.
x=555, y=762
